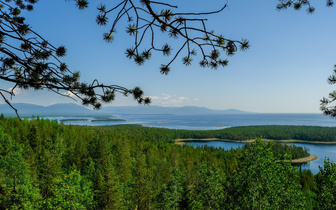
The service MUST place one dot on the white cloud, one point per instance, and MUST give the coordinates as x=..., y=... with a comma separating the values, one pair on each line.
x=16, y=91
x=166, y=97
x=68, y=93
x=169, y=100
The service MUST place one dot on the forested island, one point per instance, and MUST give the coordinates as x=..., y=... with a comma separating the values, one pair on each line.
x=47, y=165
x=73, y=120
x=108, y=120
x=95, y=119
x=298, y=154
x=311, y=134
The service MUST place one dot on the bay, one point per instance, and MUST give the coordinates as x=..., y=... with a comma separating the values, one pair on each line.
x=320, y=150
x=213, y=122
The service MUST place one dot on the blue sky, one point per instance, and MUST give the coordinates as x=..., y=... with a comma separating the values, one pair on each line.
x=284, y=71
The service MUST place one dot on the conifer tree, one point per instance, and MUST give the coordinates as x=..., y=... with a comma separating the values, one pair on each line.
x=49, y=166
x=327, y=103
x=33, y=138
x=141, y=187
x=173, y=194
x=326, y=185
x=70, y=191
x=208, y=192
x=264, y=182
x=123, y=160
x=29, y=61
x=16, y=188
x=113, y=189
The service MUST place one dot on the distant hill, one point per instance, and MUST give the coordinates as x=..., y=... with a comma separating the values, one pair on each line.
x=27, y=110
x=186, y=110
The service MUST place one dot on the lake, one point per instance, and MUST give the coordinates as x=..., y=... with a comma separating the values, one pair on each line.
x=211, y=122
x=320, y=150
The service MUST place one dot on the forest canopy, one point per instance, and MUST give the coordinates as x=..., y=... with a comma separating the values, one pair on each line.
x=46, y=165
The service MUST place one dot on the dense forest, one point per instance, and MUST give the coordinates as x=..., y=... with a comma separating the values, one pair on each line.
x=275, y=132
x=46, y=165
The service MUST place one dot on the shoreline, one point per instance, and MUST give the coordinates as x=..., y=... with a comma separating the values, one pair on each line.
x=305, y=159
x=299, y=160
x=184, y=141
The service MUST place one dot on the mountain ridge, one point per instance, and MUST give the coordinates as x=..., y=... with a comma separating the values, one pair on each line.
x=71, y=109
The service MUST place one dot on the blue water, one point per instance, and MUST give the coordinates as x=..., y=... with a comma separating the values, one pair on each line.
x=225, y=145
x=211, y=122
x=320, y=150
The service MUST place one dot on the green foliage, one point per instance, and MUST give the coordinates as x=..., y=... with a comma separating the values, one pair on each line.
x=263, y=182
x=298, y=4
x=307, y=180
x=280, y=150
x=275, y=132
x=173, y=195
x=141, y=185
x=326, y=185
x=208, y=191
x=144, y=16
x=70, y=191
x=31, y=62
x=16, y=188
x=46, y=165
x=327, y=105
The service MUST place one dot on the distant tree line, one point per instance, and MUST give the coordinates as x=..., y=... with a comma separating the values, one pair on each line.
x=275, y=132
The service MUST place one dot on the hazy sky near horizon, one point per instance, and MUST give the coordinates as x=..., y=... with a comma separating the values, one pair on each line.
x=285, y=70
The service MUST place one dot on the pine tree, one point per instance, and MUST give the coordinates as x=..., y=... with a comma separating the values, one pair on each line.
x=70, y=191
x=29, y=61
x=173, y=195
x=141, y=187
x=16, y=188
x=113, y=188
x=264, y=182
x=49, y=166
x=123, y=159
x=208, y=191
x=326, y=185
